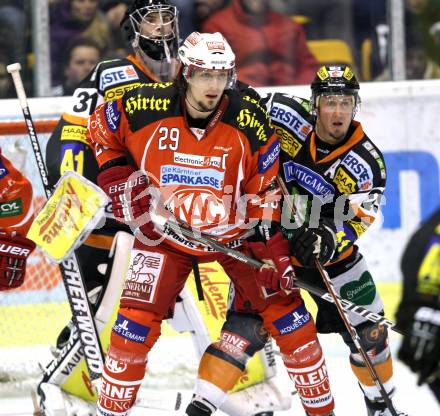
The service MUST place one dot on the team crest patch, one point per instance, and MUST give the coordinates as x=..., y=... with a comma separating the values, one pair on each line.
x=143, y=276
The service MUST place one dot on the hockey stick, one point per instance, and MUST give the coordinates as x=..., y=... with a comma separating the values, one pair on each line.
x=343, y=314
x=71, y=274
x=185, y=230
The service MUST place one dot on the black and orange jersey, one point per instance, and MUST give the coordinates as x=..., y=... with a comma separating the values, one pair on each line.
x=16, y=210
x=215, y=179
x=343, y=183
x=67, y=148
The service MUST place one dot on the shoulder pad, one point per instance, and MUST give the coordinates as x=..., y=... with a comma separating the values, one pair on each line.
x=246, y=114
x=150, y=102
x=292, y=114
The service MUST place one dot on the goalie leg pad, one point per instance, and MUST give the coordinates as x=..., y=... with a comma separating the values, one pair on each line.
x=133, y=335
x=374, y=339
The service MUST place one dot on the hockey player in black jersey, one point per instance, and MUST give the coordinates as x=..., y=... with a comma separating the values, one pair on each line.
x=337, y=177
x=418, y=315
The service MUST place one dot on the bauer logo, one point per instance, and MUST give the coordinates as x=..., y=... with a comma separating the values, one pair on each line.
x=130, y=330
x=113, y=76
x=293, y=320
x=307, y=179
x=266, y=160
x=112, y=115
x=3, y=170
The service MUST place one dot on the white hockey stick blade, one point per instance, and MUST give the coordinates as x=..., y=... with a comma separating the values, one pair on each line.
x=159, y=399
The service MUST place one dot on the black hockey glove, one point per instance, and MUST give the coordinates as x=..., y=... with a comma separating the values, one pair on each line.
x=308, y=244
x=420, y=349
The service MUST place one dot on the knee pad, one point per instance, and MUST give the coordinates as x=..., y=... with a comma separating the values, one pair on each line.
x=242, y=335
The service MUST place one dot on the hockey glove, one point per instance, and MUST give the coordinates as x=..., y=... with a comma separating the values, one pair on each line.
x=308, y=244
x=420, y=348
x=14, y=252
x=129, y=196
x=275, y=252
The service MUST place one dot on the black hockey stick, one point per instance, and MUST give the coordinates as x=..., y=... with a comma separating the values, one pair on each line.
x=70, y=271
x=343, y=313
x=184, y=229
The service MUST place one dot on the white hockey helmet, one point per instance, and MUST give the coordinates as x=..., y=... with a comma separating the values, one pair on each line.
x=210, y=51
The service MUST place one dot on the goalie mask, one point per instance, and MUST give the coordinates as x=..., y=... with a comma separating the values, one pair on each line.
x=209, y=52
x=151, y=28
x=334, y=81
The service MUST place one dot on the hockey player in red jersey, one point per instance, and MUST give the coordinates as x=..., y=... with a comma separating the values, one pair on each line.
x=16, y=215
x=211, y=152
x=150, y=27
x=337, y=177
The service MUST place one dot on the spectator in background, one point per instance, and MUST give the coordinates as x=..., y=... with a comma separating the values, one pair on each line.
x=421, y=17
x=81, y=57
x=330, y=19
x=205, y=9
x=71, y=19
x=6, y=85
x=13, y=34
x=270, y=48
x=418, y=64
x=114, y=12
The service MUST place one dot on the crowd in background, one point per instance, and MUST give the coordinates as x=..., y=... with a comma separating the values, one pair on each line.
x=277, y=42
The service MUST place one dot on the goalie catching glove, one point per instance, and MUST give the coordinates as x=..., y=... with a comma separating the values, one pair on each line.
x=14, y=252
x=275, y=251
x=128, y=193
x=308, y=244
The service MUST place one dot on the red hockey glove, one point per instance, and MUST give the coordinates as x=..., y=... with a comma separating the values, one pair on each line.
x=14, y=252
x=130, y=199
x=275, y=251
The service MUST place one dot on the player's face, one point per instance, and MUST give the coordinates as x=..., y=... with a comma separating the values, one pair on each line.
x=157, y=24
x=83, y=59
x=205, y=88
x=335, y=113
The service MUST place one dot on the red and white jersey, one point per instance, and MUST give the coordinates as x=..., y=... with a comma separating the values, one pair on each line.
x=16, y=211
x=216, y=179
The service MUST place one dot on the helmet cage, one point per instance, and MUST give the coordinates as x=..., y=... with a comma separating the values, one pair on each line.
x=156, y=47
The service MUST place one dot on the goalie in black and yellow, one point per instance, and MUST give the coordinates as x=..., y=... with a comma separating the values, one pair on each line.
x=418, y=315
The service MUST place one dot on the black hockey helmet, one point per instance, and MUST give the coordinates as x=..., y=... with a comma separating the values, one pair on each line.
x=156, y=47
x=334, y=80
